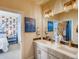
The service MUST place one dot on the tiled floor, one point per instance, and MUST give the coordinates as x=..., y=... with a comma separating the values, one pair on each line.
x=13, y=53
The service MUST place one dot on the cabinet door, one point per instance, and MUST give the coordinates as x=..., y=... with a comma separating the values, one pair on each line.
x=38, y=56
x=52, y=57
x=37, y=53
x=44, y=55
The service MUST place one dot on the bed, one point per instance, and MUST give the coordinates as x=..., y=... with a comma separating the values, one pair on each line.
x=3, y=42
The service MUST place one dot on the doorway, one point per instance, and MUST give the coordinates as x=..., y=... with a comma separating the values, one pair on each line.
x=10, y=35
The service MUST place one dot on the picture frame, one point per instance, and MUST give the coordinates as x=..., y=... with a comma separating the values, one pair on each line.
x=50, y=26
x=30, y=24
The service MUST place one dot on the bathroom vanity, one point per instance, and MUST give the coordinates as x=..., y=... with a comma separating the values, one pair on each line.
x=47, y=50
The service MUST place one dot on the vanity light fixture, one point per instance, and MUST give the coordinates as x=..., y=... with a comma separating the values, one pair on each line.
x=69, y=5
x=46, y=15
x=49, y=13
x=75, y=5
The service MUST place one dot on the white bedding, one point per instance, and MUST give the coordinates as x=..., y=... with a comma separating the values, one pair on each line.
x=4, y=44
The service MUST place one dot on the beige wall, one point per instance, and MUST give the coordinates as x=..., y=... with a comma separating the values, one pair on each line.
x=28, y=9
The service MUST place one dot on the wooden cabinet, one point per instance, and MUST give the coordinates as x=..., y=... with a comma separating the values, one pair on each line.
x=37, y=52
x=55, y=54
x=42, y=52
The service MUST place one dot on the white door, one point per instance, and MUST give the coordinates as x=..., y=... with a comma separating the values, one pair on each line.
x=37, y=52
x=38, y=56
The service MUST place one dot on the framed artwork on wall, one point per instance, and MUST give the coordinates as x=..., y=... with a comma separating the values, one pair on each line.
x=30, y=24
x=50, y=26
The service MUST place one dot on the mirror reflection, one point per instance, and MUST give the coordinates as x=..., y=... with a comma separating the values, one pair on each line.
x=55, y=30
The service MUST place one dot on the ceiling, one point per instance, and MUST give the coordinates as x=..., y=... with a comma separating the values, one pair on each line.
x=40, y=1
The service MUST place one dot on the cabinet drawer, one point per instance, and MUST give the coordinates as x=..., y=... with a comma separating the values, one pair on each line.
x=67, y=57
x=44, y=48
x=41, y=47
x=52, y=57
x=56, y=54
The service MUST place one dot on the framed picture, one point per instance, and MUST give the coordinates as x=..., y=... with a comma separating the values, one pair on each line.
x=30, y=24
x=50, y=26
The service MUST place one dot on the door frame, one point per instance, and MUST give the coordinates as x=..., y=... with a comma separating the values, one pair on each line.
x=22, y=14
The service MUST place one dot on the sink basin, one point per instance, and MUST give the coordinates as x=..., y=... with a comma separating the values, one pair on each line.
x=68, y=49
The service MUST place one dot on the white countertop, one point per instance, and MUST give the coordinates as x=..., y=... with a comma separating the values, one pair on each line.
x=64, y=49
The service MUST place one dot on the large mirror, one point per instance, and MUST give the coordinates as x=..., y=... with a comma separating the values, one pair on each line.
x=63, y=28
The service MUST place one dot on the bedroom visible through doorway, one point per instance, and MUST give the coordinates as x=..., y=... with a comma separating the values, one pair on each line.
x=10, y=35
